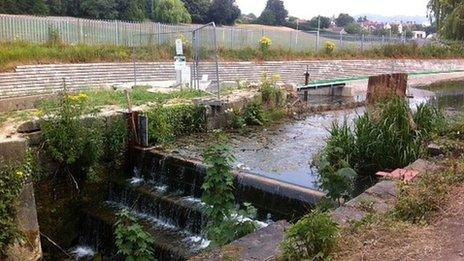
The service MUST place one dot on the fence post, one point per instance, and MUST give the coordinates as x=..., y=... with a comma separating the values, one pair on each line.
x=317, y=41
x=362, y=43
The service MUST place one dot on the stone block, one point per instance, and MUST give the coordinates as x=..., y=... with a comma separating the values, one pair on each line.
x=264, y=244
x=346, y=214
x=386, y=189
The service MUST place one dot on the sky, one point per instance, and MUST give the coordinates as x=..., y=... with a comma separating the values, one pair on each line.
x=307, y=9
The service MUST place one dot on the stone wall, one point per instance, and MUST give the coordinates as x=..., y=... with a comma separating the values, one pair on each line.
x=44, y=79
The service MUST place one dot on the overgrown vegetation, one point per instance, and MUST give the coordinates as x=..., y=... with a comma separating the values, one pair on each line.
x=19, y=53
x=12, y=178
x=384, y=138
x=77, y=141
x=261, y=112
x=312, y=238
x=132, y=241
x=165, y=123
x=226, y=223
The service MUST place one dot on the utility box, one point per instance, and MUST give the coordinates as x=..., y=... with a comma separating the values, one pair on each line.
x=180, y=65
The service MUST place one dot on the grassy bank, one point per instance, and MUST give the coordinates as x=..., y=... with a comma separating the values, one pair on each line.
x=20, y=53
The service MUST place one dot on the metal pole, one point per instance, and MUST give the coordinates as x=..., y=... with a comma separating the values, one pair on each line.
x=317, y=42
x=217, y=65
x=135, y=67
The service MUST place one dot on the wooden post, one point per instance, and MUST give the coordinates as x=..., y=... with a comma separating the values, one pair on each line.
x=386, y=86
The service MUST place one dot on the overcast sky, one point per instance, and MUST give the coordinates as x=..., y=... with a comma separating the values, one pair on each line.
x=308, y=8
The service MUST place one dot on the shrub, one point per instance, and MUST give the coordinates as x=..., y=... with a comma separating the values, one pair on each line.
x=71, y=140
x=329, y=47
x=132, y=241
x=313, y=237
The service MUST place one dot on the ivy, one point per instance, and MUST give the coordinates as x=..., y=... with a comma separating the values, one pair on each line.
x=132, y=241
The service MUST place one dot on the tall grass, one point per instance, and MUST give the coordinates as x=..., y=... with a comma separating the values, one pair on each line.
x=387, y=137
x=18, y=53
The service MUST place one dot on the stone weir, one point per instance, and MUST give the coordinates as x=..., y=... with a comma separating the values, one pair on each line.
x=164, y=192
x=269, y=196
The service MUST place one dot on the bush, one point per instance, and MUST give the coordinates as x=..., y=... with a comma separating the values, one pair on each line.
x=313, y=237
x=132, y=241
x=77, y=140
x=71, y=140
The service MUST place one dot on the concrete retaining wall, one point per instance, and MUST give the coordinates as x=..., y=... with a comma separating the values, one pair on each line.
x=44, y=79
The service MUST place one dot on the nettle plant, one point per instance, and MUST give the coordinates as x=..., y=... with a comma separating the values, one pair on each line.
x=132, y=241
x=311, y=238
x=226, y=223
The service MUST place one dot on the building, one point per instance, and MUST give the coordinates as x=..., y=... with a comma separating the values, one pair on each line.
x=419, y=35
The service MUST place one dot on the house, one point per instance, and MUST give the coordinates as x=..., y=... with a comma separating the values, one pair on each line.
x=419, y=34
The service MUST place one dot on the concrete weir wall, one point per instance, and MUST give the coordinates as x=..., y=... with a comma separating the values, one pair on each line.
x=29, y=80
x=14, y=150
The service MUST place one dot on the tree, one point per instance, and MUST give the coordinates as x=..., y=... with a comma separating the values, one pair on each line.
x=274, y=13
x=353, y=28
x=132, y=10
x=36, y=7
x=362, y=19
x=344, y=19
x=198, y=10
x=324, y=22
x=171, y=11
x=99, y=9
x=447, y=15
x=224, y=12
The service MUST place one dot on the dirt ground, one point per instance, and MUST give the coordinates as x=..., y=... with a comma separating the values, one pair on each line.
x=443, y=239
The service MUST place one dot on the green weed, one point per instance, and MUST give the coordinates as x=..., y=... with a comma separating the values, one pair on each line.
x=312, y=238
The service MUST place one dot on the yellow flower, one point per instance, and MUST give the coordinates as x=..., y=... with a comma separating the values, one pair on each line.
x=81, y=97
x=276, y=77
x=265, y=41
x=20, y=174
x=329, y=47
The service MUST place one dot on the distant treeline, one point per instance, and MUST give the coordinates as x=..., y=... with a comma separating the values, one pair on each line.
x=166, y=11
